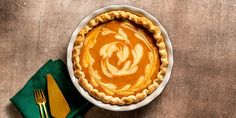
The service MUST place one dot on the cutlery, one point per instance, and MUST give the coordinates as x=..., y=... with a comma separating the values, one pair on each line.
x=58, y=106
x=41, y=101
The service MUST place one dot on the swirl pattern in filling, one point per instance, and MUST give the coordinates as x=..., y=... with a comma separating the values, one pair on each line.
x=119, y=58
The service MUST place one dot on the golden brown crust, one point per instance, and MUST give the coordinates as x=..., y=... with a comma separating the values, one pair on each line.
x=138, y=20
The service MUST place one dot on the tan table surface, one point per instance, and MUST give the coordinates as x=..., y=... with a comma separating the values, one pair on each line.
x=203, y=34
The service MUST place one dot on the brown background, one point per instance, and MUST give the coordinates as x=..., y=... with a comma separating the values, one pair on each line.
x=203, y=34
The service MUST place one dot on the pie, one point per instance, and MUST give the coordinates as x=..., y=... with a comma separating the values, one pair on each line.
x=119, y=57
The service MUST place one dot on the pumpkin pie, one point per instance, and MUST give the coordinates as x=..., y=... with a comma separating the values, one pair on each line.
x=119, y=57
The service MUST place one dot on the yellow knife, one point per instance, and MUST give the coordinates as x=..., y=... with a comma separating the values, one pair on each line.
x=59, y=108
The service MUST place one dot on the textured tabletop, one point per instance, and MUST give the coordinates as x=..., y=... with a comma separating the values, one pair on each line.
x=203, y=34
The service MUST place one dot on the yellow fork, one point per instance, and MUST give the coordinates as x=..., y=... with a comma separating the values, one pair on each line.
x=41, y=101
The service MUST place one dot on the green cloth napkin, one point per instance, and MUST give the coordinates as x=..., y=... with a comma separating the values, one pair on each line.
x=24, y=99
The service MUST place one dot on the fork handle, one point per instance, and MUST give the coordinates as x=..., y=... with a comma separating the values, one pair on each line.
x=41, y=111
x=45, y=110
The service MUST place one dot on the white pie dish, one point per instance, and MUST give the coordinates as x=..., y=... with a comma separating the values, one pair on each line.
x=98, y=103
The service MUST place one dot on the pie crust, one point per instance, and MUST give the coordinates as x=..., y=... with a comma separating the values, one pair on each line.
x=110, y=16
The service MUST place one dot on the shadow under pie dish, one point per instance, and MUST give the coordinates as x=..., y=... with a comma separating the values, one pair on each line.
x=119, y=57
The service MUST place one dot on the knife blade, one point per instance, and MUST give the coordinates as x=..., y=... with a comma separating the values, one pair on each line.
x=59, y=108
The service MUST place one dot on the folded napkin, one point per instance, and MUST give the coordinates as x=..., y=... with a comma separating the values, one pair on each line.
x=24, y=99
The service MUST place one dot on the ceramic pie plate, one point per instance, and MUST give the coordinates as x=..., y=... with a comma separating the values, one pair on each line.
x=150, y=97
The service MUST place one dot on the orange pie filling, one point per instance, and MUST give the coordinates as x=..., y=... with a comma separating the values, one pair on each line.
x=119, y=58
